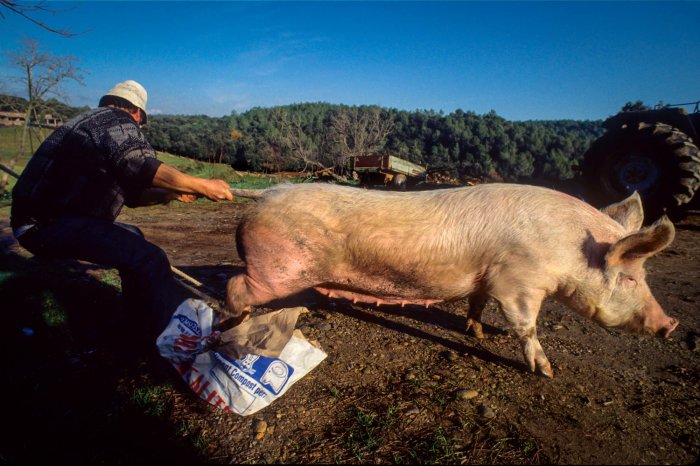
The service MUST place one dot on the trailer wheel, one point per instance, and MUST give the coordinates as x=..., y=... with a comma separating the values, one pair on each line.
x=654, y=159
x=398, y=182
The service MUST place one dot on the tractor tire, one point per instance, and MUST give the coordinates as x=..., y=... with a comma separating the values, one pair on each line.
x=655, y=159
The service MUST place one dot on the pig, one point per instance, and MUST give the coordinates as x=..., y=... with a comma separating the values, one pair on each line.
x=518, y=244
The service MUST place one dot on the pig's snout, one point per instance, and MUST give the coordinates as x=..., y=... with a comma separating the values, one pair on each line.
x=669, y=326
x=657, y=322
x=654, y=322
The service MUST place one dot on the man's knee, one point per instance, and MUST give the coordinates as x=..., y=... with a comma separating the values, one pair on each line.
x=130, y=228
x=149, y=262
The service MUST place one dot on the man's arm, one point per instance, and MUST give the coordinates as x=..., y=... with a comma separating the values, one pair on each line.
x=152, y=196
x=169, y=178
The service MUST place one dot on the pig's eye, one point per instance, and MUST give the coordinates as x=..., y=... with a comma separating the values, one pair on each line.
x=628, y=282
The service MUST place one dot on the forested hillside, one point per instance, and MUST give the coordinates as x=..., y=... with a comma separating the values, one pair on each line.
x=315, y=135
x=56, y=108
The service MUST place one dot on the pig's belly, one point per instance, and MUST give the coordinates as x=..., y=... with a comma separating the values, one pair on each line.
x=422, y=286
x=377, y=299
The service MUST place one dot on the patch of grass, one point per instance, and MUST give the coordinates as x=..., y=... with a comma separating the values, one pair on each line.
x=333, y=391
x=201, y=169
x=111, y=277
x=151, y=400
x=222, y=171
x=514, y=449
x=10, y=144
x=200, y=443
x=440, y=448
x=53, y=314
x=489, y=445
x=441, y=398
x=368, y=430
x=6, y=276
x=529, y=446
x=306, y=444
x=184, y=428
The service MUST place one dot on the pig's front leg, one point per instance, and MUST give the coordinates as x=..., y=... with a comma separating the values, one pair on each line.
x=521, y=312
x=477, y=302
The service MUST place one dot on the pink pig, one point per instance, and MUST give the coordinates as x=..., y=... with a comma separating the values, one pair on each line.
x=518, y=244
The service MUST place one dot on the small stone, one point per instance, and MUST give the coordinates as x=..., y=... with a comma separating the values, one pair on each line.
x=412, y=411
x=259, y=427
x=486, y=411
x=466, y=394
x=451, y=356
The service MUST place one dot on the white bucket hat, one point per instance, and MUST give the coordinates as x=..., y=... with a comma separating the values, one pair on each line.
x=133, y=92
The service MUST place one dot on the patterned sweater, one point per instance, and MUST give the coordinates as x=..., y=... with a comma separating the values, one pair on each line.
x=90, y=166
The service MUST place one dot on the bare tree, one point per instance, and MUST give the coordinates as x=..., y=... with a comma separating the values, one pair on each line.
x=359, y=132
x=30, y=10
x=42, y=75
x=297, y=146
x=295, y=141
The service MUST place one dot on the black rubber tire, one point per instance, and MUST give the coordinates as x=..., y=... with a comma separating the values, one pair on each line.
x=398, y=182
x=655, y=159
x=371, y=180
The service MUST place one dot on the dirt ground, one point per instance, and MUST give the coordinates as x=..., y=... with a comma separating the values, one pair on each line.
x=393, y=389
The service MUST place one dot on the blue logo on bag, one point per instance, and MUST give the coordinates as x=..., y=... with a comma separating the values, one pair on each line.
x=189, y=323
x=271, y=373
x=276, y=376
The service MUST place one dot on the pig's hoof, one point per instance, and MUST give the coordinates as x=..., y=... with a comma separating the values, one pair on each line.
x=474, y=328
x=546, y=370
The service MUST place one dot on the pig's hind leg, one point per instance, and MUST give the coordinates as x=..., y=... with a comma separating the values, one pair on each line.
x=521, y=312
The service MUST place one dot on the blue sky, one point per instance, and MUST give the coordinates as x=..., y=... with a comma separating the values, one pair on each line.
x=525, y=60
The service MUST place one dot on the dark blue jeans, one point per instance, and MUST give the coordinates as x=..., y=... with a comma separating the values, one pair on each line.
x=148, y=287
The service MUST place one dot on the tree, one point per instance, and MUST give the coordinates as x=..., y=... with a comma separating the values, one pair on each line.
x=359, y=132
x=29, y=10
x=296, y=144
x=42, y=75
x=635, y=107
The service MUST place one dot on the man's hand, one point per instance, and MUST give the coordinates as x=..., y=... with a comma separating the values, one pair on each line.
x=153, y=196
x=167, y=177
x=186, y=198
x=216, y=190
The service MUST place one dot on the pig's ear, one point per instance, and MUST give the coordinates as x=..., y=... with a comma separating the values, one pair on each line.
x=642, y=244
x=628, y=213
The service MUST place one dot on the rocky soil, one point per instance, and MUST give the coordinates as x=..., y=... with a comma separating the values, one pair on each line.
x=399, y=385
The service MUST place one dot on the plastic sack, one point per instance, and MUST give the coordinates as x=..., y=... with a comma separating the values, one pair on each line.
x=245, y=384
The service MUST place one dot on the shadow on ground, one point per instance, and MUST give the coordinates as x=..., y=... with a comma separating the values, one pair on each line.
x=68, y=384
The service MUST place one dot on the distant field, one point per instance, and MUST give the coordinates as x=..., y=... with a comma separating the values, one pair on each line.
x=11, y=141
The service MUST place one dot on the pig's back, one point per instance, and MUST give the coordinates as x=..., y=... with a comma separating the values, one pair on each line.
x=481, y=216
x=428, y=244
x=487, y=207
